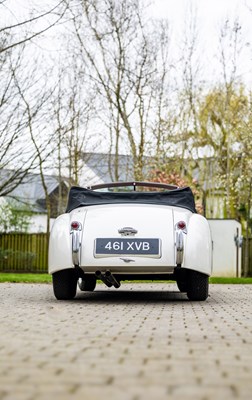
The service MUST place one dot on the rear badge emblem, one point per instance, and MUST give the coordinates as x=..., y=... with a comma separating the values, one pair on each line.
x=127, y=231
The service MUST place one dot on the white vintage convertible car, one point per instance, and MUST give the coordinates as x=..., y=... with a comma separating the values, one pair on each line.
x=130, y=231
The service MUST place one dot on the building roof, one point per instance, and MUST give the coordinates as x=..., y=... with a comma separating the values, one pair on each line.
x=30, y=192
x=97, y=168
x=100, y=168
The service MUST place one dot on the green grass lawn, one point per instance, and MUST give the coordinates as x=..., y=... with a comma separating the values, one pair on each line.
x=25, y=278
x=46, y=278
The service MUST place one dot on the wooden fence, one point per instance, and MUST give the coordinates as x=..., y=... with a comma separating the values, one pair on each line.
x=249, y=271
x=21, y=252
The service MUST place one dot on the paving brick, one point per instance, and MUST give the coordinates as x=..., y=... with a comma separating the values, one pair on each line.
x=141, y=342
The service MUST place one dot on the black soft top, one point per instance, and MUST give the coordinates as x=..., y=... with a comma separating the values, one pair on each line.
x=82, y=197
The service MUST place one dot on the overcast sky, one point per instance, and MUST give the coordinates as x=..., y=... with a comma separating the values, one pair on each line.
x=211, y=15
x=210, y=12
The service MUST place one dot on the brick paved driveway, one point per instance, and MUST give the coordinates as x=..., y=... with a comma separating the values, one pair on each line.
x=143, y=341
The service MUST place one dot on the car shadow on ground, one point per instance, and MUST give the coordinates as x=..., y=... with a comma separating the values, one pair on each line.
x=126, y=296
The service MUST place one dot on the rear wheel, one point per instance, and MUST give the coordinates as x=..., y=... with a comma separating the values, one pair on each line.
x=182, y=286
x=64, y=284
x=182, y=279
x=197, y=286
x=88, y=284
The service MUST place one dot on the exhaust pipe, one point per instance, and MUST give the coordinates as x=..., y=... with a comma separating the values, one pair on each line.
x=102, y=277
x=108, y=279
x=112, y=279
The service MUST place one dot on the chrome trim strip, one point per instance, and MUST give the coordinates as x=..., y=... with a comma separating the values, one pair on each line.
x=76, y=245
x=179, y=247
x=179, y=244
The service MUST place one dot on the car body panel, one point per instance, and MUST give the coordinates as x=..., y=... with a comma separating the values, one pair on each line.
x=198, y=246
x=60, y=244
x=130, y=235
x=149, y=221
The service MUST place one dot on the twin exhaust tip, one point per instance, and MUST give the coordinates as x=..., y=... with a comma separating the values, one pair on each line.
x=108, y=279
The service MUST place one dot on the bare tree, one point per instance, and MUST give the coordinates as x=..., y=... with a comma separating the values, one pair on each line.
x=208, y=123
x=15, y=33
x=189, y=91
x=120, y=51
x=230, y=48
x=161, y=89
x=34, y=106
x=14, y=39
x=73, y=107
x=181, y=127
x=14, y=165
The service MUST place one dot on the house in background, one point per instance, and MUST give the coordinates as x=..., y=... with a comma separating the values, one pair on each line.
x=97, y=168
x=29, y=196
x=100, y=168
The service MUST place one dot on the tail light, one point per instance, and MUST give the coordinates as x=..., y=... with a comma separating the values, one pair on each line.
x=181, y=225
x=75, y=225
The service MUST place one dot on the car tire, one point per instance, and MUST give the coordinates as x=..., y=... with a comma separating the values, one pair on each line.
x=197, y=286
x=88, y=284
x=64, y=284
x=182, y=286
x=181, y=276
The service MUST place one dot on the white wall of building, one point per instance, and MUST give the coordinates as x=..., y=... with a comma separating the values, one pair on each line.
x=226, y=236
x=38, y=224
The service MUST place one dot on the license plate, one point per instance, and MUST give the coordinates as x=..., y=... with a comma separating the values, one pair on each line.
x=126, y=246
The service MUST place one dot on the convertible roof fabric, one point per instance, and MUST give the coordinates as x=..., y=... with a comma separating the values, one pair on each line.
x=81, y=197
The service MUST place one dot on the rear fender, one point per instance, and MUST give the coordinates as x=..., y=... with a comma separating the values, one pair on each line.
x=198, y=245
x=60, y=245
